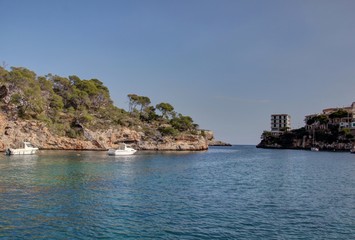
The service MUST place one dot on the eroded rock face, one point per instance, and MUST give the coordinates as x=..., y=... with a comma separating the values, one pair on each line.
x=209, y=135
x=182, y=143
x=13, y=133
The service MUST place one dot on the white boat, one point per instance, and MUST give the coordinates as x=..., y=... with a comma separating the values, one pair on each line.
x=28, y=148
x=314, y=149
x=122, y=150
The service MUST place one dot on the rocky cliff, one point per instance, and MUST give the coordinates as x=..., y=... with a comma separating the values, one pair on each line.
x=304, y=143
x=13, y=133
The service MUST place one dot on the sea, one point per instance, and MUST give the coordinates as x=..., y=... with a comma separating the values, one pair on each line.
x=237, y=192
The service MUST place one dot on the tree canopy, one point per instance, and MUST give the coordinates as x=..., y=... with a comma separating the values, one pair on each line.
x=63, y=102
x=340, y=113
x=166, y=109
x=321, y=119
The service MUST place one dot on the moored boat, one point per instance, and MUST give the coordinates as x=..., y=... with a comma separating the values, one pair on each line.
x=314, y=149
x=122, y=150
x=28, y=148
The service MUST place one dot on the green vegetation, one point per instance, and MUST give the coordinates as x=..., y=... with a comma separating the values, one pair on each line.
x=285, y=140
x=340, y=113
x=325, y=129
x=67, y=105
x=321, y=119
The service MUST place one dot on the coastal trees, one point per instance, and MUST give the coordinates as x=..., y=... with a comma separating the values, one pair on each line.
x=266, y=135
x=133, y=101
x=166, y=109
x=170, y=122
x=29, y=103
x=340, y=113
x=346, y=133
x=24, y=93
x=136, y=101
x=149, y=114
x=97, y=94
x=62, y=87
x=143, y=102
x=320, y=119
x=66, y=104
x=183, y=123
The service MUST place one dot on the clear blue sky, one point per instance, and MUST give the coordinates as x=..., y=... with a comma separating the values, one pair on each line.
x=228, y=64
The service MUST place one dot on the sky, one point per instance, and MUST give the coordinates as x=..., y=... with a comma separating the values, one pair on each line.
x=229, y=64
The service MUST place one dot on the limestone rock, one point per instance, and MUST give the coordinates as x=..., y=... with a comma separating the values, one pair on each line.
x=209, y=135
x=13, y=133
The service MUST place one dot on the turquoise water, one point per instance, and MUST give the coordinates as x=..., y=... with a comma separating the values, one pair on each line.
x=237, y=192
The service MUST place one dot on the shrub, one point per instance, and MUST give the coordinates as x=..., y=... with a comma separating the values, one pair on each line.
x=168, y=131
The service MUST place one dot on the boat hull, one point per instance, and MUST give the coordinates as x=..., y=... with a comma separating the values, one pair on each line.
x=11, y=151
x=115, y=152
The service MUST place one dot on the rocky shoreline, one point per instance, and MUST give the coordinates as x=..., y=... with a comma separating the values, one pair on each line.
x=306, y=144
x=219, y=143
x=15, y=132
x=325, y=149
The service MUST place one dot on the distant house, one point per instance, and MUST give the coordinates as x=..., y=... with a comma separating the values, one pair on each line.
x=346, y=118
x=313, y=122
x=347, y=121
x=350, y=109
x=280, y=123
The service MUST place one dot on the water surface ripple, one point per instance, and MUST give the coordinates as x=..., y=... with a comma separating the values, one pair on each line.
x=237, y=192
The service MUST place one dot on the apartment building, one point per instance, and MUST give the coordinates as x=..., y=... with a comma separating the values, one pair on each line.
x=280, y=122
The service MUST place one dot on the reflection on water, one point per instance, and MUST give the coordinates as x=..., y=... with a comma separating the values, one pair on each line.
x=224, y=193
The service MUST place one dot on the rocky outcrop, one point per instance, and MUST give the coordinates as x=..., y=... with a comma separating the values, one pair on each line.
x=181, y=143
x=219, y=143
x=13, y=133
x=306, y=144
x=209, y=135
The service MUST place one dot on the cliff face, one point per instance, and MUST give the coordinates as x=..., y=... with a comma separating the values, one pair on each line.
x=13, y=133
